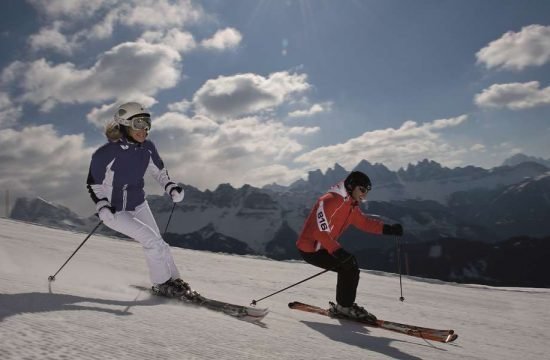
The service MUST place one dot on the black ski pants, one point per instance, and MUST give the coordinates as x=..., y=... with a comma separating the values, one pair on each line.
x=348, y=274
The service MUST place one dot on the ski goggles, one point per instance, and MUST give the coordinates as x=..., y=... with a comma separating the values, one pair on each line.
x=140, y=123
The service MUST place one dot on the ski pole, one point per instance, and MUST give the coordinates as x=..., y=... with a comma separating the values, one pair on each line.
x=52, y=277
x=401, y=298
x=254, y=302
x=169, y=218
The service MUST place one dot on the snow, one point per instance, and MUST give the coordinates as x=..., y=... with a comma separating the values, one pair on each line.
x=91, y=312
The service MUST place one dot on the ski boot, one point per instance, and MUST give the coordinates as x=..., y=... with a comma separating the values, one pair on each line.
x=188, y=293
x=354, y=312
x=176, y=288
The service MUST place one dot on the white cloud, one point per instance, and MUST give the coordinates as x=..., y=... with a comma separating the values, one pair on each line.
x=181, y=41
x=101, y=17
x=128, y=71
x=180, y=106
x=223, y=142
x=55, y=9
x=478, y=148
x=392, y=147
x=303, y=130
x=160, y=14
x=516, y=51
x=314, y=109
x=505, y=150
x=9, y=112
x=102, y=115
x=12, y=72
x=37, y=161
x=514, y=96
x=74, y=22
x=178, y=121
x=273, y=173
x=445, y=123
x=231, y=96
x=102, y=29
x=223, y=39
x=51, y=38
x=234, y=150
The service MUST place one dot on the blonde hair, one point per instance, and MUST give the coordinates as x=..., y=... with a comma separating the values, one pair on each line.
x=113, y=131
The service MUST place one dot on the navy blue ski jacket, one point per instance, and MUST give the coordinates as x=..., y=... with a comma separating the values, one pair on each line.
x=116, y=174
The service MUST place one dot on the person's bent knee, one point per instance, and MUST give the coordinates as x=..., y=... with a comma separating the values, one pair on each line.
x=152, y=243
x=351, y=270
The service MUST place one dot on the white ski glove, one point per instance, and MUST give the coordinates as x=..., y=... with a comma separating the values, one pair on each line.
x=176, y=192
x=105, y=211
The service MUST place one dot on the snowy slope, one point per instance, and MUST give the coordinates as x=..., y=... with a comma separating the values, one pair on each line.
x=90, y=312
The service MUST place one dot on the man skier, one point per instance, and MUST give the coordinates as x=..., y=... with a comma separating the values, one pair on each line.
x=318, y=242
x=115, y=183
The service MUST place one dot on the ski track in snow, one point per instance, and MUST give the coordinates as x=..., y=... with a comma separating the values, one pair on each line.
x=91, y=312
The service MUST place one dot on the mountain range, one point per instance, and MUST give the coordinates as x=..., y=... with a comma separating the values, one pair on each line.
x=437, y=206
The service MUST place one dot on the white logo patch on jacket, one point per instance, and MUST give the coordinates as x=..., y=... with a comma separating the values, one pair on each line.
x=322, y=222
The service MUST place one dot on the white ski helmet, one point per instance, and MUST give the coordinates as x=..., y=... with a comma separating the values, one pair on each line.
x=134, y=115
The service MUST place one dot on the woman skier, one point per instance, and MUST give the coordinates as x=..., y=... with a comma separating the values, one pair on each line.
x=115, y=183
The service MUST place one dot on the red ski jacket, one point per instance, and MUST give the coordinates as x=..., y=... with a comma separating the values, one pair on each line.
x=328, y=219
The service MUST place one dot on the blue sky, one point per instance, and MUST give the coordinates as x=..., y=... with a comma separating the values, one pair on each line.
x=264, y=91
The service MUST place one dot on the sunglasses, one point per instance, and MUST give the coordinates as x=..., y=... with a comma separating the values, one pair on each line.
x=363, y=189
x=140, y=123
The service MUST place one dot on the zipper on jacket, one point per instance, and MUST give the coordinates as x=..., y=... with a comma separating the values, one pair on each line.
x=124, y=196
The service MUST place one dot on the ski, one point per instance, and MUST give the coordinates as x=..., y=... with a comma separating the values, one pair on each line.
x=240, y=312
x=439, y=335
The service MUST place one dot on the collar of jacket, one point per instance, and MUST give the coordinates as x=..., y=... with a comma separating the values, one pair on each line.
x=340, y=189
x=127, y=140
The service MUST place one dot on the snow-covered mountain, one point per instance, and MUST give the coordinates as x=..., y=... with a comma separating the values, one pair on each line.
x=521, y=158
x=209, y=239
x=519, y=209
x=47, y=213
x=91, y=312
x=255, y=216
x=43, y=212
x=248, y=214
x=427, y=180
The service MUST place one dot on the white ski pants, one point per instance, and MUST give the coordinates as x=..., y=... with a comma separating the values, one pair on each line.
x=141, y=226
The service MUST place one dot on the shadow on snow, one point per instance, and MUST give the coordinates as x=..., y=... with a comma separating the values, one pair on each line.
x=36, y=302
x=358, y=335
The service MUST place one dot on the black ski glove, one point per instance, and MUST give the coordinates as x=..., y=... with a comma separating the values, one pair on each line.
x=346, y=260
x=395, y=229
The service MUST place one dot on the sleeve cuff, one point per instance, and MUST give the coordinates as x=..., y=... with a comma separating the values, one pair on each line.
x=101, y=204
x=169, y=187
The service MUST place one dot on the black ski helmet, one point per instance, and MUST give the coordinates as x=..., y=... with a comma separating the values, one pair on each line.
x=357, y=178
